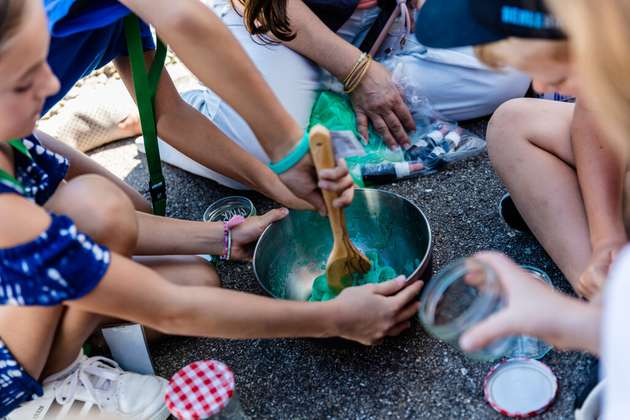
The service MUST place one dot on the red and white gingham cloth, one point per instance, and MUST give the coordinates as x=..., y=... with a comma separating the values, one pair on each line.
x=200, y=390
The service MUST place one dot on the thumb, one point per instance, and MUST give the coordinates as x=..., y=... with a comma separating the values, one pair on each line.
x=274, y=215
x=481, y=335
x=391, y=287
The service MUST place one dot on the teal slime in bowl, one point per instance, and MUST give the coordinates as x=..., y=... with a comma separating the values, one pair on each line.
x=388, y=228
x=377, y=274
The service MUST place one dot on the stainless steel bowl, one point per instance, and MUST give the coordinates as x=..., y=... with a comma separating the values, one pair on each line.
x=292, y=252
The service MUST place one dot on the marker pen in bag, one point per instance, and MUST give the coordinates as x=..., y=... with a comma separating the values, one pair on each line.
x=389, y=172
x=452, y=140
x=421, y=149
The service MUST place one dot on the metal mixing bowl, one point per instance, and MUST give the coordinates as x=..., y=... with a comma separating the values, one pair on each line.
x=292, y=252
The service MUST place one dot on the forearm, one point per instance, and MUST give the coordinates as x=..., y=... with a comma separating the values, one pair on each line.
x=166, y=236
x=136, y=293
x=210, y=51
x=601, y=168
x=313, y=39
x=206, y=144
x=578, y=327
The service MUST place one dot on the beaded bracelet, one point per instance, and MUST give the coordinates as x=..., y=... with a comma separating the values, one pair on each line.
x=227, y=236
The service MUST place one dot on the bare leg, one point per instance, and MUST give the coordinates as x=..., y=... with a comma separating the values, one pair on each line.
x=530, y=146
x=81, y=164
x=183, y=270
x=112, y=222
x=76, y=326
x=29, y=332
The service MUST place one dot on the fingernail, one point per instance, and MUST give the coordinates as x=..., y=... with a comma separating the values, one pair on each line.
x=284, y=211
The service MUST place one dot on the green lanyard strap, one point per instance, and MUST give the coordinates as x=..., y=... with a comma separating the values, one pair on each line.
x=145, y=85
x=10, y=179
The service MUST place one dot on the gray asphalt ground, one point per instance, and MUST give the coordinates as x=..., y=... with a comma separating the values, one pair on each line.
x=411, y=376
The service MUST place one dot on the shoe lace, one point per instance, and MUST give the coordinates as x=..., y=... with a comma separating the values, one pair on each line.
x=97, y=375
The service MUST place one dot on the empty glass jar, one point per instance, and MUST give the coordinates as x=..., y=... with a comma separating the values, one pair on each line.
x=460, y=296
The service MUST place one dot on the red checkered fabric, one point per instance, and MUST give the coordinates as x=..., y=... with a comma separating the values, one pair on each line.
x=200, y=390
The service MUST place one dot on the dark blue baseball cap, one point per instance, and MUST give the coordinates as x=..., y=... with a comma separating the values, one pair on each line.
x=459, y=23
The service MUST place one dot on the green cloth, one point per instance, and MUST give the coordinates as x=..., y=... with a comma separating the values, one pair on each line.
x=335, y=112
x=377, y=274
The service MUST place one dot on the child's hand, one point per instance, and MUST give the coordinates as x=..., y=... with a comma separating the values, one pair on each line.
x=245, y=235
x=302, y=181
x=533, y=308
x=369, y=313
x=338, y=180
x=591, y=281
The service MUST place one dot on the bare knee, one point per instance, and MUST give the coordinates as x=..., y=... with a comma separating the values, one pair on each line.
x=103, y=211
x=183, y=270
x=203, y=274
x=508, y=125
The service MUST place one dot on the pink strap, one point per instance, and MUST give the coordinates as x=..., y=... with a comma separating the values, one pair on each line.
x=403, y=10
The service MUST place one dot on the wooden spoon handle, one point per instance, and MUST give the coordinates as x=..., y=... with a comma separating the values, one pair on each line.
x=324, y=158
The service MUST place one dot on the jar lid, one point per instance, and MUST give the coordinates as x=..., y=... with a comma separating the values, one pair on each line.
x=224, y=209
x=200, y=390
x=520, y=388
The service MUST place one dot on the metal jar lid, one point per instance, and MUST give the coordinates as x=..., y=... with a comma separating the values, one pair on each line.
x=226, y=208
x=520, y=388
x=200, y=390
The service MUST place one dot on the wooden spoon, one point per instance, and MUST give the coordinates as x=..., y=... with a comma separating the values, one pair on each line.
x=345, y=259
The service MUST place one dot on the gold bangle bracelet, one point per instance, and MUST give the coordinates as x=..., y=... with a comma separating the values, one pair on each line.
x=360, y=77
x=357, y=75
x=360, y=61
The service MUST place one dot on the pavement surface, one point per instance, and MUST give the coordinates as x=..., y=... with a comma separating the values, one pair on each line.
x=413, y=376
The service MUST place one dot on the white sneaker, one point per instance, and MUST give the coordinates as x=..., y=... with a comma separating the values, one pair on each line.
x=96, y=387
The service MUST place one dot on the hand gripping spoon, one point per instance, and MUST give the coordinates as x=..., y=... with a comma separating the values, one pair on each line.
x=345, y=259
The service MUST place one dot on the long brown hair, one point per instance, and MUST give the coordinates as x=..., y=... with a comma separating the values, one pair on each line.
x=600, y=40
x=10, y=19
x=267, y=19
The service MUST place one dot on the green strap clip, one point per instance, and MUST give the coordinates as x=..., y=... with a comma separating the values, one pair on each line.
x=145, y=85
x=295, y=155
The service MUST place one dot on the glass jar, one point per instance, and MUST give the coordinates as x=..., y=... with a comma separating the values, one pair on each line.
x=460, y=296
x=525, y=346
x=224, y=209
x=232, y=411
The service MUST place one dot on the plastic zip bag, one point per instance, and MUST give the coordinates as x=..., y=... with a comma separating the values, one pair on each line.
x=437, y=142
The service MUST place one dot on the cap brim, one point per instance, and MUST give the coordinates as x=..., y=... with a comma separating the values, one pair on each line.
x=450, y=24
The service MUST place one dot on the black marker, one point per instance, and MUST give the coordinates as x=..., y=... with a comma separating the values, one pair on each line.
x=389, y=172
